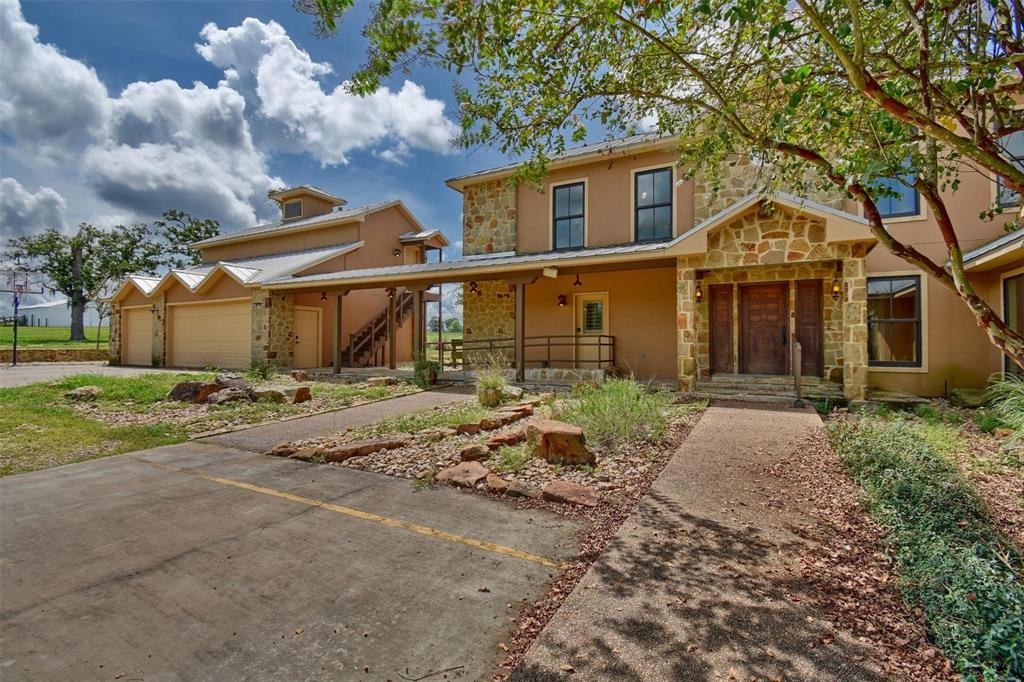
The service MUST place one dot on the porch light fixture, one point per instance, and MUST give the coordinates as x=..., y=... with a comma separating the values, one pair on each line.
x=323, y=295
x=391, y=292
x=474, y=289
x=396, y=252
x=837, y=289
x=698, y=295
x=577, y=283
x=562, y=300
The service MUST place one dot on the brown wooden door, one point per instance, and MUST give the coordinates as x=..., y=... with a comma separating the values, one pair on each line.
x=809, y=327
x=720, y=304
x=764, y=328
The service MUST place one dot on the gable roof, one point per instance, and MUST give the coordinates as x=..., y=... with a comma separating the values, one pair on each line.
x=998, y=251
x=839, y=226
x=286, y=194
x=346, y=215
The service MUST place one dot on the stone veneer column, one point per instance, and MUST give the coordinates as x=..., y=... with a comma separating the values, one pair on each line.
x=160, y=331
x=114, y=343
x=273, y=321
x=855, y=329
x=686, y=333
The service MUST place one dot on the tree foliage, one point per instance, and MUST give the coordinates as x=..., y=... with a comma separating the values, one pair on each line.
x=176, y=230
x=826, y=94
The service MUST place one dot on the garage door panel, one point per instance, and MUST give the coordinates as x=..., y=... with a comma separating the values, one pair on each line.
x=137, y=336
x=211, y=335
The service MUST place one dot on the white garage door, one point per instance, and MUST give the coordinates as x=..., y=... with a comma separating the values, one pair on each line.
x=210, y=334
x=137, y=336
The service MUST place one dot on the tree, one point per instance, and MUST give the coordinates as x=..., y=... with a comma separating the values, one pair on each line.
x=177, y=230
x=453, y=326
x=435, y=324
x=85, y=265
x=833, y=95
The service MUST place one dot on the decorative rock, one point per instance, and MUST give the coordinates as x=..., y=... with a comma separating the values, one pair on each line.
x=568, y=492
x=512, y=393
x=465, y=475
x=495, y=484
x=474, y=453
x=468, y=429
x=1003, y=432
x=232, y=381
x=440, y=433
x=228, y=395
x=382, y=381
x=185, y=390
x=84, y=394
x=283, y=450
x=558, y=442
x=498, y=419
x=519, y=488
x=521, y=410
x=206, y=390
x=363, y=448
x=510, y=438
x=302, y=394
x=300, y=375
x=307, y=454
x=269, y=395
x=968, y=397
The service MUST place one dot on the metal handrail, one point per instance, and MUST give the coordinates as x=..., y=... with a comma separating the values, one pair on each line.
x=603, y=343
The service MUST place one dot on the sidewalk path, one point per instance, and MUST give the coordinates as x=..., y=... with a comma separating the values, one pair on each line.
x=263, y=438
x=702, y=580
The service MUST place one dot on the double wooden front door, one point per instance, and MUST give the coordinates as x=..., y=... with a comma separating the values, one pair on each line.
x=764, y=328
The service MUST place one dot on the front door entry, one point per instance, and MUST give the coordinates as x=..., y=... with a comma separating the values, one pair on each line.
x=764, y=328
x=591, y=327
x=307, y=337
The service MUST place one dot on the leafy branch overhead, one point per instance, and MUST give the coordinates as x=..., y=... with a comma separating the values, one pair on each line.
x=829, y=95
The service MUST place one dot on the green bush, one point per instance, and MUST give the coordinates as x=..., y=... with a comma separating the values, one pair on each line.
x=927, y=412
x=261, y=369
x=1007, y=399
x=618, y=411
x=986, y=421
x=951, y=561
x=423, y=368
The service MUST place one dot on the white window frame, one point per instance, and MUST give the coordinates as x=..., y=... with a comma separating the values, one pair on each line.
x=586, y=210
x=676, y=203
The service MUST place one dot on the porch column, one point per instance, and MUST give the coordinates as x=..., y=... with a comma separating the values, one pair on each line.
x=520, y=341
x=337, y=331
x=686, y=315
x=392, y=327
x=855, y=329
x=417, y=322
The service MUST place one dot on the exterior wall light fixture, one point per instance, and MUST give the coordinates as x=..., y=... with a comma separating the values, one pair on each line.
x=698, y=295
x=562, y=300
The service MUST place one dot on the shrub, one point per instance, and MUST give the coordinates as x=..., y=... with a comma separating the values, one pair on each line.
x=927, y=412
x=513, y=458
x=986, y=421
x=618, y=411
x=1007, y=399
x=261, y=369
x=490, y=378
x=952, y=563
x=423, y=368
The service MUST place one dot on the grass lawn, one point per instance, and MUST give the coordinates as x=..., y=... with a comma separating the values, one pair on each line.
x=51, y=337
x=40, y=428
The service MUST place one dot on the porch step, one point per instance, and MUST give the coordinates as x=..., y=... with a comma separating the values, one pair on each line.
x=741, y=386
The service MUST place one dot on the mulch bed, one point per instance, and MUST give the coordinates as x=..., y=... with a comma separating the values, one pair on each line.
x=1000, y=485
x=853, y=579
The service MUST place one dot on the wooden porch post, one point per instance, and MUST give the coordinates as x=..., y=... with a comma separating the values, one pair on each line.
x=392, y=326
x=337, y=331
x=520, y=331
x=417, y=322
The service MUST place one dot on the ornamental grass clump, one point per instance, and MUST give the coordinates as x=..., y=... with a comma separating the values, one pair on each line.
x=1007, y=399
x=951, y=560
x=618, y=411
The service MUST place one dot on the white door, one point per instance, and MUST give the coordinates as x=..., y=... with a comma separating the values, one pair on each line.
x=210, y=334
x=137, y=336
x=307, y=337
x=591, y=327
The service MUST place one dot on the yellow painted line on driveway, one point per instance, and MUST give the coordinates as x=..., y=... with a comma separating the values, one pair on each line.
x=360, y=514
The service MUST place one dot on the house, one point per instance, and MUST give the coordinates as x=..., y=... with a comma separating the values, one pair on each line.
x=57, y=313
x=222, y=314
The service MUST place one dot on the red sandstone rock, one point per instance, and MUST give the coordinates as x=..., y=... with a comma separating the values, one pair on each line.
x=464, y=475
x=568, y=492
x=558, y=442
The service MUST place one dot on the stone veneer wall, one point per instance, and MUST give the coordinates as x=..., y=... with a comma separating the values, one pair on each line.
x=160, y=331
x=114, y=341
x=491, y=314
x=273, y=327
x=489, y=218
x=55, y=355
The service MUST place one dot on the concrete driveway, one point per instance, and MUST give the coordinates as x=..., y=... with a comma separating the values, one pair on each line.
x=199, y=562
x=50, y=371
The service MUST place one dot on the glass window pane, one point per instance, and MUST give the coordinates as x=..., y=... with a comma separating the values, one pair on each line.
x=905, y=203
x=894, y=320
x=1013, y=144
x=293, y=209
x=593, y=317
x=904, y=298
x=561, y=233
x=561, y=201
x=893, y=342
x=576, y=232
x=663, y=186
x=644, y=189
x=663, y=222
x=576, y=200
x=645, y=224
x=1013, y=311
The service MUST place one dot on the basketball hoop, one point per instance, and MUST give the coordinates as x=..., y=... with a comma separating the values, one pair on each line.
x=18, y=281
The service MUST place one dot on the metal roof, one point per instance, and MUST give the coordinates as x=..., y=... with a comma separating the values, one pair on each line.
x=995, y=245
x=296, y=225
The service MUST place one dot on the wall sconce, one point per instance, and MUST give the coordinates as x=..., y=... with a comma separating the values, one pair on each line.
x=837, y=289
x=698, y=295
x=391, y=292
x=577, y=283
x=396, y=253
x=562, y=300
x=323, y=295
x=474, y=289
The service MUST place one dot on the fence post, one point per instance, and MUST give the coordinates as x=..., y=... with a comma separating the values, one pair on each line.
x=797, y=368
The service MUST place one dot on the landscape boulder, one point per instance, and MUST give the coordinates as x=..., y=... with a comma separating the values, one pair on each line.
x=513, y=437
x=185, y=390
x=83, y=394
x=268, y=395
x=438, y=433
x=307, y=454
x=205, y=390
x=300, y=375
x=495, y=484
x=1003, y=432
x=382, y=381
x=302, y=394
x=362, y=448
x=232, y=381
x=474, y=453
x=283, y=450
x=521, y=410
x=519, y=488
x=968, y=397
x=512, y=393
x=569, y=492
x=229, y=395
x=558, y=443
x=468, y=429
x=496, y=420
x=464, y=475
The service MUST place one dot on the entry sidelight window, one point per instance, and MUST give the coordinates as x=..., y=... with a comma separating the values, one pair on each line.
x=894, y=321
x=567, y=204
x=653, y=210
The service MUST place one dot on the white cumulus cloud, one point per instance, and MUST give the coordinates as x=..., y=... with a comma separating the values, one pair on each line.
x=23, y=212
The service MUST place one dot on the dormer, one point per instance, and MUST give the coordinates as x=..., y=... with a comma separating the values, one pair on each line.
x=305, y=201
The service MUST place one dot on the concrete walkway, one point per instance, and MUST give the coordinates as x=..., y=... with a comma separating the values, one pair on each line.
x=702, y=581
x=263, y=438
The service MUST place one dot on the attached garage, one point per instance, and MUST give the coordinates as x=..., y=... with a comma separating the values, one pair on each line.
x=137, y=335
x=215, y=334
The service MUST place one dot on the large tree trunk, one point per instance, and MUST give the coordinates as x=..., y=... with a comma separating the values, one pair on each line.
x=77, y=297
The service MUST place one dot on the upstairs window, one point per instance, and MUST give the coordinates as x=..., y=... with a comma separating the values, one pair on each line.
x=904, y=201
x=1013, y=148
x=293, y=209
x=894, y=321
x=567, y=204
x=653, y=210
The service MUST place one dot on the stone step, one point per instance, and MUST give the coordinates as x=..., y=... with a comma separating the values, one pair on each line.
x=764, y=379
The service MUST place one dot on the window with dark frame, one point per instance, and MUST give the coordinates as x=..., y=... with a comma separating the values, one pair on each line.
x=1013, y=148
x=567, y=204
x=1013, y=314
x=903, y=203
x=894, y=321
x=652, y=212
x=293, y=209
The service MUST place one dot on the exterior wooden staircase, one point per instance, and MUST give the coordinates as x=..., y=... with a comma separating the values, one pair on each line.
x=366, y=345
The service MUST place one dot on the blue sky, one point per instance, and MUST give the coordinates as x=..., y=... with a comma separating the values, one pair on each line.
x=127, y=117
